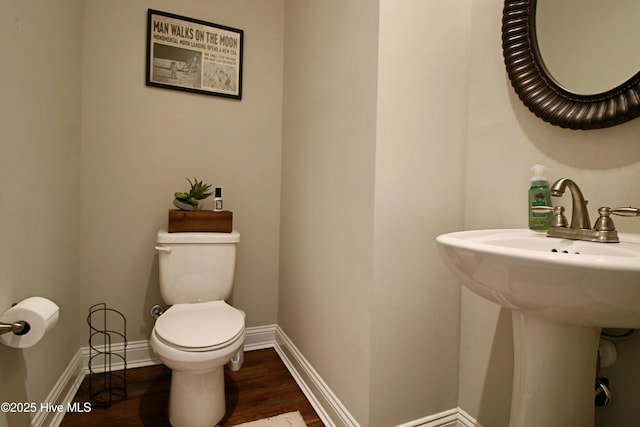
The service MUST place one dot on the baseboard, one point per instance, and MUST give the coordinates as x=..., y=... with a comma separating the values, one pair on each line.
x=329, y=408
x=332, y=412
x=467, y=420
x=259, y=337
x=62, y=392
x=452, y=418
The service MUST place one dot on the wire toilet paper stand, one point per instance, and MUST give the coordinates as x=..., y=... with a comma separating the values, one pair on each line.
x=107, y=355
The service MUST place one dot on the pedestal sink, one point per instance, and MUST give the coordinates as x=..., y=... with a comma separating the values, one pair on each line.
x=561, y=293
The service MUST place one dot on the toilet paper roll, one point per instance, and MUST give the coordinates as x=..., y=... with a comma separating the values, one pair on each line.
x=40, y=313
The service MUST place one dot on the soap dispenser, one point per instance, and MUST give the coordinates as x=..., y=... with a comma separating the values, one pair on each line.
x=539, y=195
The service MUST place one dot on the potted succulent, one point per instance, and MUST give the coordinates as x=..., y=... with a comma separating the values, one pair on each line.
x=188, y=218
x=189, y=201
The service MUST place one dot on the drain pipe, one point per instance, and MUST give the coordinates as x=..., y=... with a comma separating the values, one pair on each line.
x=238, y=359
x=603, y=394
x=607, y=356
x=156, y=311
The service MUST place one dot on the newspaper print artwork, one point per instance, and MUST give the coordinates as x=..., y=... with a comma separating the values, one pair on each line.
x=192, y=55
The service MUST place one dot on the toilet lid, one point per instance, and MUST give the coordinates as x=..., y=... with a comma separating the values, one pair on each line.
x=202, y=325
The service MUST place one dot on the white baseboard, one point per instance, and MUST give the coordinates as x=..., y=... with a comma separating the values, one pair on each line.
x=332, y=412
x=62, y=392
x=467, y=420
x=452, y=418
x=259, y=337
x=329, y=408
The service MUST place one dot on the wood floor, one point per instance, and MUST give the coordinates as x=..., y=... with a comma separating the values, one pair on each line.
x=262, y=388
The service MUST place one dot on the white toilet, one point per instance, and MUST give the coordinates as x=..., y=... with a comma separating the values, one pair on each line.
x=200, y=332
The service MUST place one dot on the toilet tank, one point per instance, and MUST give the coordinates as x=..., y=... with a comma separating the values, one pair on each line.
x=196, y=267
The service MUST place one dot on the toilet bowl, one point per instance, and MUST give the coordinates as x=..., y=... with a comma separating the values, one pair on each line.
x=196, y=340
x=200, y=332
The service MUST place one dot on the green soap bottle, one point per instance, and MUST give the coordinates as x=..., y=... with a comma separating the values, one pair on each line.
x=539, y=195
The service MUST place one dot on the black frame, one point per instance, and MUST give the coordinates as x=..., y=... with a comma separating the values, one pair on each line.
x=194, y=56
x=543, y=95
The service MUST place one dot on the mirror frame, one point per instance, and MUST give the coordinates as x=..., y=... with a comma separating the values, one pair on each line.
x=543, y=95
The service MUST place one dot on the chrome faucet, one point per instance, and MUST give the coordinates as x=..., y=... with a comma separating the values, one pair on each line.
x=580, y=229
x=579, y=212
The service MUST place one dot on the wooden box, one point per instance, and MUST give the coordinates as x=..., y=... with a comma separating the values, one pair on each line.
x=207, y=221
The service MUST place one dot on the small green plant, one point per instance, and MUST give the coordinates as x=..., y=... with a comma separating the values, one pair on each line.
x=198, y=191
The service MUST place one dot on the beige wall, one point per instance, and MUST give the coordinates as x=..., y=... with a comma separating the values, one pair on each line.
x=504, y=140
x=139, y=144
x=39, y=186
x=419, y=179
x=372, y=172
x=327, y=191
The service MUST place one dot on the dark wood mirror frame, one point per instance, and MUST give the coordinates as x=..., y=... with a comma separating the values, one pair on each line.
x=543, y=95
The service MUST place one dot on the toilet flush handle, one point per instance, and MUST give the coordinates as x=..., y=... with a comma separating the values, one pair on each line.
x=166, y=249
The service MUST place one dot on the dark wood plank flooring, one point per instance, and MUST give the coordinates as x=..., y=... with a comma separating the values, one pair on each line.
x=262, y=388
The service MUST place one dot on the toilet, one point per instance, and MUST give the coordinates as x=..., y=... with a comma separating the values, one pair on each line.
x=199, y=333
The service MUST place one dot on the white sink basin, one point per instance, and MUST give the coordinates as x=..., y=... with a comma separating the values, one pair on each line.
x=570, y=281
x=561, y=293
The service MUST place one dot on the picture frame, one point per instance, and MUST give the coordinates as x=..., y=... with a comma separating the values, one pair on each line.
x=193, y=55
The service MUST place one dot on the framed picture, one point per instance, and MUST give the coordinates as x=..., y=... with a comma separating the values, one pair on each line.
x=194, y=56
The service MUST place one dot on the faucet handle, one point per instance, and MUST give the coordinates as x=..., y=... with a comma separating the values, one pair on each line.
x=558, y=220
x=628, y=211
x=605, y=223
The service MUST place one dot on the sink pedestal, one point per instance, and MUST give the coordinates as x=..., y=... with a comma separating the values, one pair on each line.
x=554, y=373
x=560, y=292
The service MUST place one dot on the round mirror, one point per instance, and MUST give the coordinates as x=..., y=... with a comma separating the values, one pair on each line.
x=563, y=60
x=589, y=46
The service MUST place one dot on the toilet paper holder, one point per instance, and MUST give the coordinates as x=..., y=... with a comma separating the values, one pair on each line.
x=19, y=328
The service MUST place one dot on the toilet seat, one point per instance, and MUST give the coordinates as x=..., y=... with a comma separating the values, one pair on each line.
x=202, y=326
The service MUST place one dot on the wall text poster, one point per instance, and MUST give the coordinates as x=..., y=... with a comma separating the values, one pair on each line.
x=193, y=55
